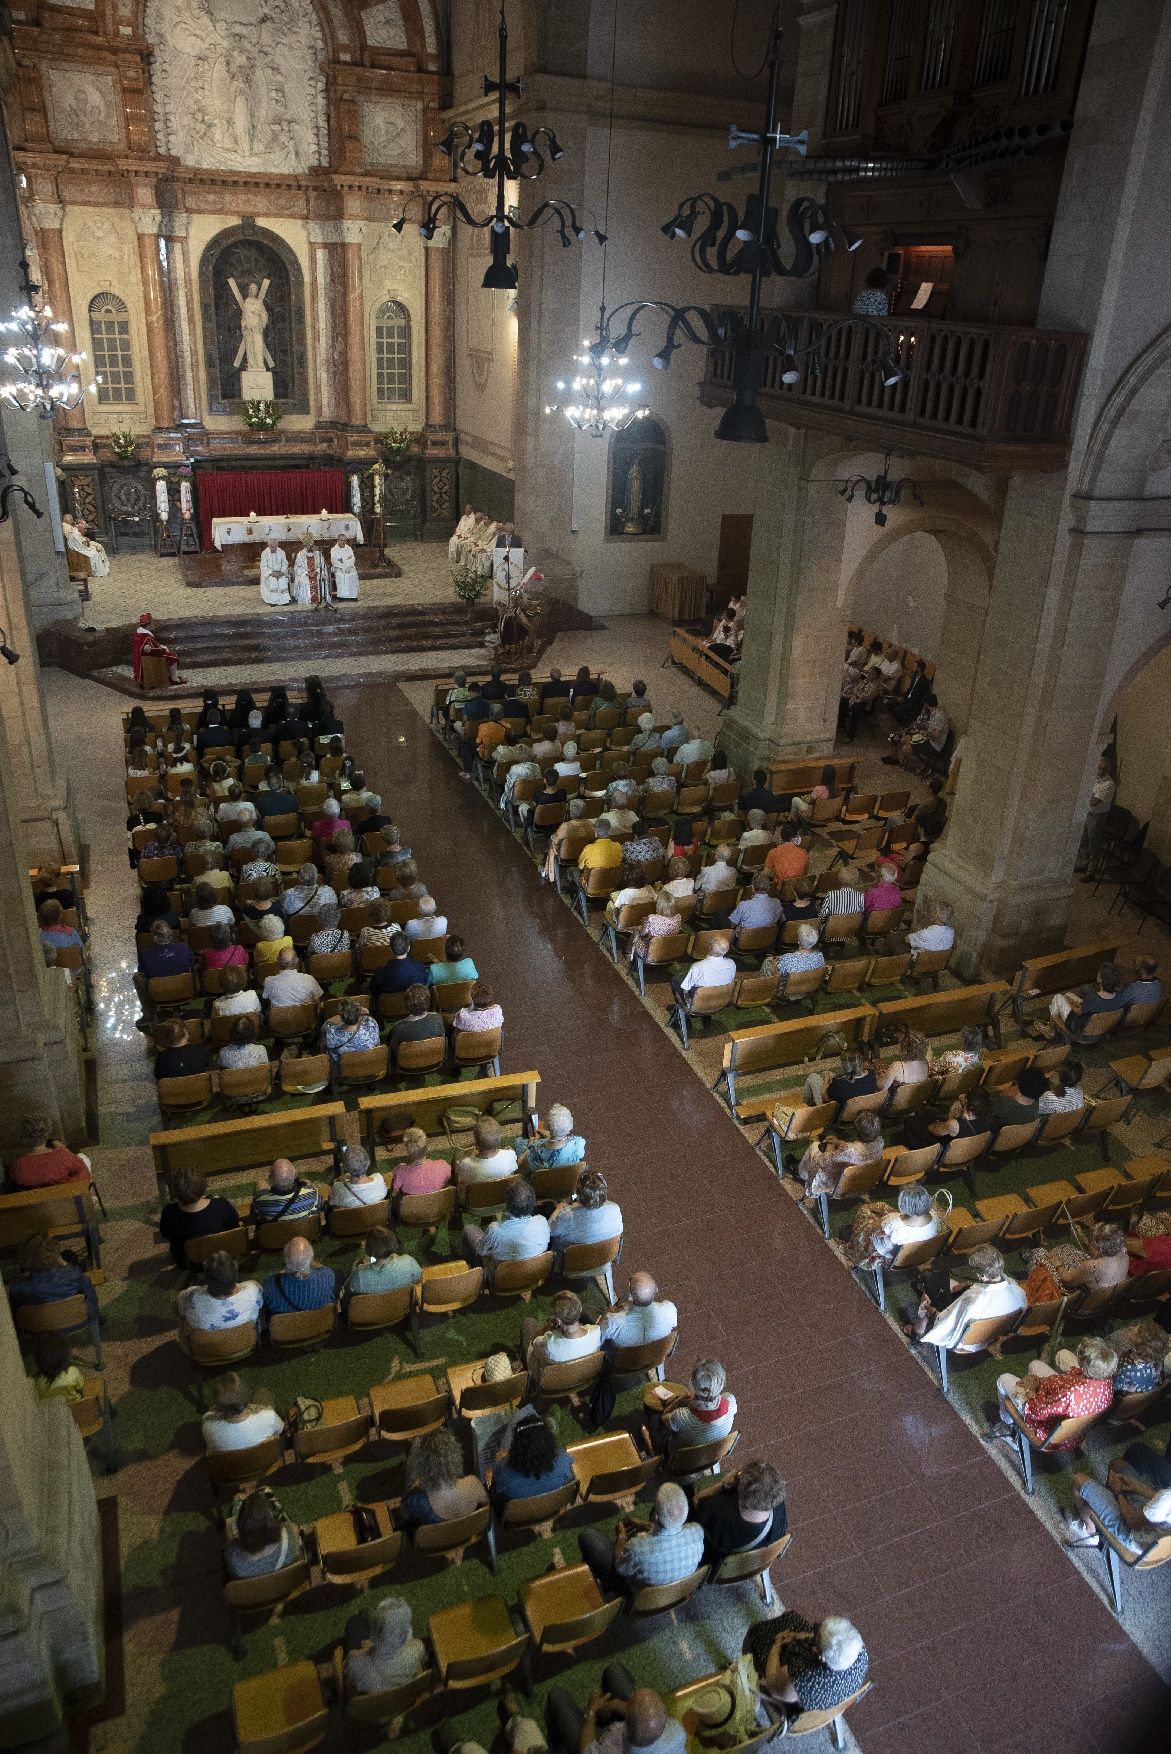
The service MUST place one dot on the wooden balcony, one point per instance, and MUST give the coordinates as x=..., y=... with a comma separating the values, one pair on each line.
x=991, y=398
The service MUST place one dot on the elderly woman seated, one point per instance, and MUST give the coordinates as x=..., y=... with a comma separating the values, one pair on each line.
x=804, y=1665
x=825, y=1159
x=747, y=1511
x=437, y=1489
x=1102, y=1264
x=701, y=1414
x=854, y=1077
x=351, y=1031
x=482, y=1014
x=1082, y=1384
x=661, y=924
x=756, y=834
x=357, y=1182
x=878, y=1232
x=265, y=1540
x=948, y=1305
x=330, y=937
x=529, y=1463
x=381, y=1652
x=271, y=939
x=659, y=789
x=224, y=1300
x=560, y=1340
x=556, y=1145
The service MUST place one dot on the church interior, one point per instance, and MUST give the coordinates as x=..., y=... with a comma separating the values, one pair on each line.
x=582, y=574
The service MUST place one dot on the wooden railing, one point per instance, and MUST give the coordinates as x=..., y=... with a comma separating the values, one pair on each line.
x=979, y=389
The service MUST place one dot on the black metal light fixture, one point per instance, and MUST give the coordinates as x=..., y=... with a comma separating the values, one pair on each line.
x=482, y=152
x=724, y=243
x=880, y=491
x=6, y=651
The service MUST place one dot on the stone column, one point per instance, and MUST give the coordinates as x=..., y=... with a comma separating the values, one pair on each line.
x=356, y=410
x=438, y=432
x=51, y=1621
x=790, y=675
x=163, y=387
x=40, y=1048
x=48, y=217
x=175, y=257
x=327, y=271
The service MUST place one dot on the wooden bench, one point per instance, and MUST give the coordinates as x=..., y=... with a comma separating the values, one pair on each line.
x=769, y=1046
x=246, y=1142
x=691, y=654
x=425, y=1108
x=1061, y=970
x=802, y=776
x=943, y=1013
x=63, y=1212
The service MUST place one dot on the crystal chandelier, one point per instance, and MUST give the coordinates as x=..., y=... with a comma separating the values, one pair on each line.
x=500, y=155
x=603, y=400
x=46, y=382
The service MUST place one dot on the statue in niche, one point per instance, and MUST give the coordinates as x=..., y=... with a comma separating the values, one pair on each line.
x=633, y=524
x=638, y=476
x=252, y=352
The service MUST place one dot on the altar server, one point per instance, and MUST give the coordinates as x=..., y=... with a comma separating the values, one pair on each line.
x=345, y=570
x=274, y=574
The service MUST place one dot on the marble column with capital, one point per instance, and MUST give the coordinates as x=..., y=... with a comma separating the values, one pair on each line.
x=175, y=261
x=48, y=218
x=356, y=411
x=438, y=431
x=327, y=276
x=159, y=334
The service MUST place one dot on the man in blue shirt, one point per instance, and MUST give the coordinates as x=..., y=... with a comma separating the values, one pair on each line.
x=301, y=1285
x=517, y=1237
x=402, y=971
x=286, y=1195
x=761, y=908
x=665, y=1553
x=165, y=955
x=1144, y=986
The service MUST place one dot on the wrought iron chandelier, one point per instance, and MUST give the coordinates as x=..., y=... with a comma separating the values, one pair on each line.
x=604, y=400
x=881, y=491
x=732, y=246
x=482, y=152
x=47, y=382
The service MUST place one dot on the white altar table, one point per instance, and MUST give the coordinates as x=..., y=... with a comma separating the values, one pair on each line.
x=226, y=532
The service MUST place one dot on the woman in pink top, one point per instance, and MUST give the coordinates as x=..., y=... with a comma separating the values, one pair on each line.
x=884, y=895
x=419, y=1174
x=223, y=953
x=482, y=1013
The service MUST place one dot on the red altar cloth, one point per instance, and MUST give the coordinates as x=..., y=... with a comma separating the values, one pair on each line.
x=295, y=492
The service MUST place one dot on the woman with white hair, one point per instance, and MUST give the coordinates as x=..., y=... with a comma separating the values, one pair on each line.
x=805, y=1665
x=645, y=737
x=381, y=1653
x=271, y=939
x=261, y=864
x=658, y=793
x=700, y=1414
x=569, y=764
x=329, y=937
x=756, y=834
x=878, y=1233
x=1047, y=1396
x=556, y=1145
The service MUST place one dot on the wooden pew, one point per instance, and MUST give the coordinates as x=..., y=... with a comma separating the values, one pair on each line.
x=1061, y=970
x=769, y=1046
x=943, y=1013
x=63, y=1212
x=691, y=654
x=246, y=1142
x=424, y=1108
x=802, y=776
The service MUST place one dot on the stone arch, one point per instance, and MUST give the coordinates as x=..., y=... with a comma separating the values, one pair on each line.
x=1120, y=453
x=252, y=250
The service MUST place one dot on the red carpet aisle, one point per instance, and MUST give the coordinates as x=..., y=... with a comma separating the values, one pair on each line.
x=981, y=1635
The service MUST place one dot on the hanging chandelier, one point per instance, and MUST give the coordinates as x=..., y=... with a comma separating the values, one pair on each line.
x=483, y=152
x=46, y=382
x=881, y=492
x=603, y=400
x=725, y=243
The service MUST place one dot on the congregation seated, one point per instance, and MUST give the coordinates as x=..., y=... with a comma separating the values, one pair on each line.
x=420, y=1022
x=992, y=1294
x=381, y=1651
x=520, y=1235
x=402, y=970
x=284, y=1195
x=236, y=1421
x=178, y=1055
x=564, y=1337
x=357, y=1182
x=224, y=1300
x=760, y=909
x=243, y=1049
x=236, y=998
x=878, y=1232
x=418, y=1173
x=716, y=969
x=642, y=1315
x=428, y=922
x=847, y=897
x=700, y=1414
x=330, y=936
x=855, y=1077
x=482, y=1013
x=788, y=858
x=353, y=1030
x=290, y=984
x=825, y=1159
x=532, y=1462
x=807, y=955
x=555, y=1146
x=380, y=1266
x=301, y=1284
x=603, y=853
x=43, y=1161
x=663, y=1550
x=265, y=1540
x=589, y=1216
x=208, y=911
x=436, y=1488
x=1100, y=1265
x=1081, y=1383
x=192, y=1212
x=1073, y=1010
x=165, y=955
x=748, y=1511
x=491, y=1160
x=46, y=1274
x=807, y=1665
x=1065, y=1091
x=1018, y=1101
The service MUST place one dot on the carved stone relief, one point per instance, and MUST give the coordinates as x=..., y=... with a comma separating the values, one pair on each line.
x=238, y=84
x=384, y=26
x=83, y=107
x=253, y=257
x=390, y=134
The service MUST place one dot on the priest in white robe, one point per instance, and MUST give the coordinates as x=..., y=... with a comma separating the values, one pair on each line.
x=310, y=576
x=274, y=574
x=344, y=568
x=455, y=548
x=78, y=538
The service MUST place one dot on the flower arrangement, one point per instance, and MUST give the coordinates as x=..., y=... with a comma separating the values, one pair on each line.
x=469, y=585
x=397, y=442
x=259, y=414
x=160, y=474
x=124, y=445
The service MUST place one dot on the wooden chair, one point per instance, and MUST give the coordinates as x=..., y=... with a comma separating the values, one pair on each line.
x=382, y=1710
x=280, y=1712
x=342, y=1432
x=252, y=1597
x=230, y=1469
x=273, y=1233
x=1102, y=1116
x=1066, y=1432
x=65, y=1315
x=978, y=1336
x=408, y=1407
x=361, y=1066
x=186, y=1095
x=330, y=966
x=471, y=1395
x=565, y=1610
x=665, y=1598
x=796, y=1126
x=752, y=1566
x=449, y=1287
x=94, y=1418
x=244, y=1086
x=699, y=1002
x=219, y=1348
x=344, y=1559
x=672, y=947
x=368, y=1312
x=301, y=1328
x=812, y=1723
x=477, y=1047
x=647, y=1358
x=448, y=997
x=855, y=1182
x=567, y=1381
x=452, y=1537
x=198, y=1249
x=346, y=1221
x=687, y=1461
x=591, y=1260
x=909, y=1257
x=414, y=1059
x=293, y=1022
x=305, y=1075
x=474, y=1642
x=520, y=1278
x=426, y=1211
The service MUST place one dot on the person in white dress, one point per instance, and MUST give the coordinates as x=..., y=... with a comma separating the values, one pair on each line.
x=345, y=570
x=274, y=574
x=455, y=547
x=78, y=538
x=310, y=576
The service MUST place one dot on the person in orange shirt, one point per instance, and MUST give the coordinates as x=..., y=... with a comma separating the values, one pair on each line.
x=602, y=852
x=788, y=859
x=491, y=732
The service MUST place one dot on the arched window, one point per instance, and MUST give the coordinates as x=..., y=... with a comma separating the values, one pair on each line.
x=109, y=328
x=392, y=352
